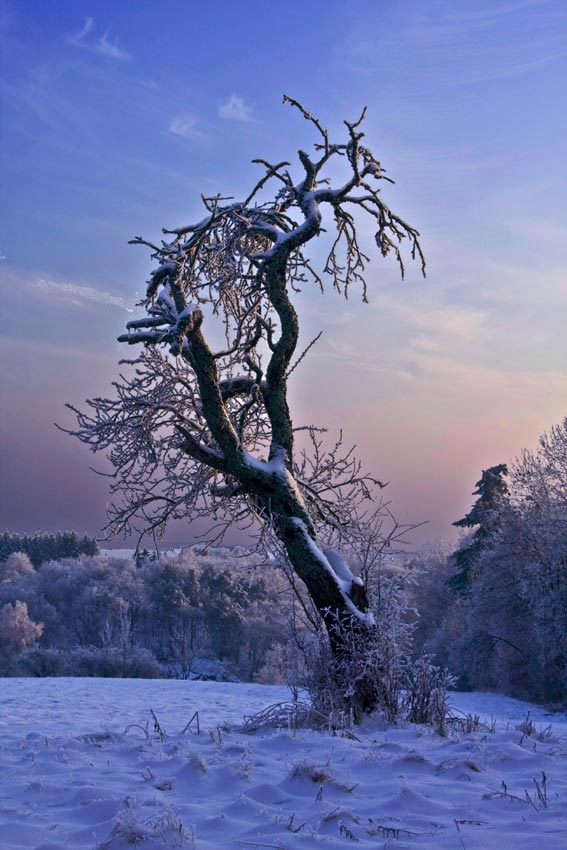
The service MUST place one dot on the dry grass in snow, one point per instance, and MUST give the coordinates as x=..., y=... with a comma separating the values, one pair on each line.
x=85, y=764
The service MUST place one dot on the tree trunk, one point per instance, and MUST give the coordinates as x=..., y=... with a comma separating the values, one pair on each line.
x=345, y=614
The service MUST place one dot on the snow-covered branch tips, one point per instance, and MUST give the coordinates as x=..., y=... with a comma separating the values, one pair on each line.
x=197, y=429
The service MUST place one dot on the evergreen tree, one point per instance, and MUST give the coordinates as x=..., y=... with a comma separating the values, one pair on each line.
x=484, y=515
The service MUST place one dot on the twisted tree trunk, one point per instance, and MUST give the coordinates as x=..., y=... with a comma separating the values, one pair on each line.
x=198, y=432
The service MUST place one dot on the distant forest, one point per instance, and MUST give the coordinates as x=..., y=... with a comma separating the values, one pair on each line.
x=213, y=614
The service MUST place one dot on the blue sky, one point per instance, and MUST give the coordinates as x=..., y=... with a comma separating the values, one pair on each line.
x=116, y=116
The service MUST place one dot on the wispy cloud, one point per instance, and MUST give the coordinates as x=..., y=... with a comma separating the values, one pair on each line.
x=86, y=40
x=235, y=109
x=457, y=47
x=185, y=125
x=494, y=11
x=435, y=320
x=87, y=29
x=80, y=296
x=441, y=374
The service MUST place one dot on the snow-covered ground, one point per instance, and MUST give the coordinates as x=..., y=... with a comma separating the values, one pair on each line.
x=81, y=767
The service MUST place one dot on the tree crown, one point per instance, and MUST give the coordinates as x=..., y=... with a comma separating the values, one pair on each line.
x=202, y=430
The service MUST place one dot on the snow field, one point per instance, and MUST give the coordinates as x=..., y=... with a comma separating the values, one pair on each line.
x=82, y=766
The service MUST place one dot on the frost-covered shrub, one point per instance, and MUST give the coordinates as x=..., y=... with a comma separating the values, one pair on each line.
x=113, y=663
x=426, y=690
x=401, y=687
x=90, y=661
x=43, y=662
x=283, y=665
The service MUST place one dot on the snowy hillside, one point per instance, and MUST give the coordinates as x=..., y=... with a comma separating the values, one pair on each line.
x=83, y=767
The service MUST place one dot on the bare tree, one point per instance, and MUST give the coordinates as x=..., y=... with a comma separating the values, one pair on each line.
x=198, y=429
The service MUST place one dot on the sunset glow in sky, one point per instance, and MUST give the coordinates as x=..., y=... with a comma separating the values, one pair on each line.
x=115, y=116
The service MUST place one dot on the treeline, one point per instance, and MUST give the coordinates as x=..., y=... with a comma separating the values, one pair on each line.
x=213, y=614
x=495, y=611
x=46, y=546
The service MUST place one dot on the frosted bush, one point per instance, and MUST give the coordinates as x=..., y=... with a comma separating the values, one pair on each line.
x=282, y=666
x=43, y=661
x=401, y=688
x=425, y=696
x=112, y=663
